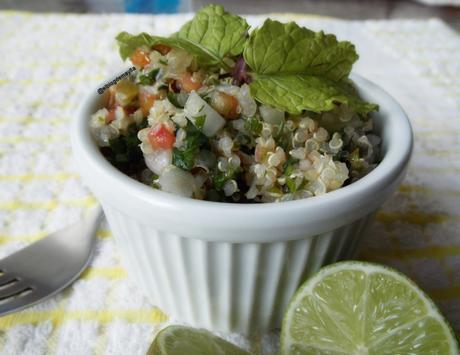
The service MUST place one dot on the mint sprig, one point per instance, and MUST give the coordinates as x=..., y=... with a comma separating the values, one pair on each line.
x=284, y=49
x=295, y=93
x=211, y=36
x=296, y=69
x=291, y=68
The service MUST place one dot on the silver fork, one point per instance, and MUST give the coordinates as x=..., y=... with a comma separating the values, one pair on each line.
x=47, y=266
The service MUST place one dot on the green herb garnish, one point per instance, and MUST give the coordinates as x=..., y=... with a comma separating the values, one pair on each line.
x=281, y=139
x=292, y=68
x=219, y=178
x=253, y=125
x=172, y=97
x=288, y=169
x=125, y=153
x=296, y=69
x=210, y=36
x=149, y=78
x=184, y=157
x=199, y=121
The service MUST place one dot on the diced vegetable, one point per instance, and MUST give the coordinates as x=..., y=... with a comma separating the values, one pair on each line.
x=158, y=160
x=188, y=83
x=161, y=137
x=177, y=181
x=197, y=107
x=271, y=115
x=146, y=101
x=225, y=104
x=163, y=49
x=140, y=58
x=110, y=116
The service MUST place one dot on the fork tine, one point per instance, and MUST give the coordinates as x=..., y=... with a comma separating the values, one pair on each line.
x=7, y=278
x=13, y=289
x=47, y=266
x=18, y=303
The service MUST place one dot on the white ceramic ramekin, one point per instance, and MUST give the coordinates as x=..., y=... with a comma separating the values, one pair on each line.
x=233, y=267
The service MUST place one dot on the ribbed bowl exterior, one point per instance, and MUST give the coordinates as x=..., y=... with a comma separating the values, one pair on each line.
x=229, y=287
x=234, y=267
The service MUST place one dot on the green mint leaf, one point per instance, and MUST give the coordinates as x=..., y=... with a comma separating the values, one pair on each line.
x=218, y=32
x=210, y=36
x=127, y=43
x=296, y=69
x=284, y=49
x=295, y=93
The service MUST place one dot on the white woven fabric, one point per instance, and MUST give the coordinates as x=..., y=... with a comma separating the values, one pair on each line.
x=49, y=62
x=440, y=2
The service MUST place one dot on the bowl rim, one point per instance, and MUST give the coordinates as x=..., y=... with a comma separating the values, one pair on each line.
x=390, y=169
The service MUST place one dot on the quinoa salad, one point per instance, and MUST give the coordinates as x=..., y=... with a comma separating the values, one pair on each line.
x=220, y=111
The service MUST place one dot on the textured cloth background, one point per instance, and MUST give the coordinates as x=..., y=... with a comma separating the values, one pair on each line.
x=49, y=62
x=441, y=2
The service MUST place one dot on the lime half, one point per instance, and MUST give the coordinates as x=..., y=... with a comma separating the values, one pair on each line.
x=180, y=340
x=364, y=309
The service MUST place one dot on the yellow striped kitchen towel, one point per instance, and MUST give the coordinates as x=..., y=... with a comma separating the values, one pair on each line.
x=48, y=62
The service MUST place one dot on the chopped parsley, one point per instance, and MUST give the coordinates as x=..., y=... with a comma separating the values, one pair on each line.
x=288, y=168
x=219, y=178
x=149, y=78
x=172, y=98
x=125, y=153
x=184, y=157
x=199, y=121
x=253, y=126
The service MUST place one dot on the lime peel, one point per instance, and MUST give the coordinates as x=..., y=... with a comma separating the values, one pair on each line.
x=179, y=340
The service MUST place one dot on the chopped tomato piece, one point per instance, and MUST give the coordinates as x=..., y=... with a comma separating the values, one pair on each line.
x=161, y=137
x=173, y=86
x=226, y=105
x=140, y=58
x=130, y=109
x=188, y=83
x=111, y=116
x=163, y=49
x=146, y=101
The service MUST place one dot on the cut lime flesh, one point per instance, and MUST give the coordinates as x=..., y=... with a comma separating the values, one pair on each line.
x=180, y=340
x=364, y=309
